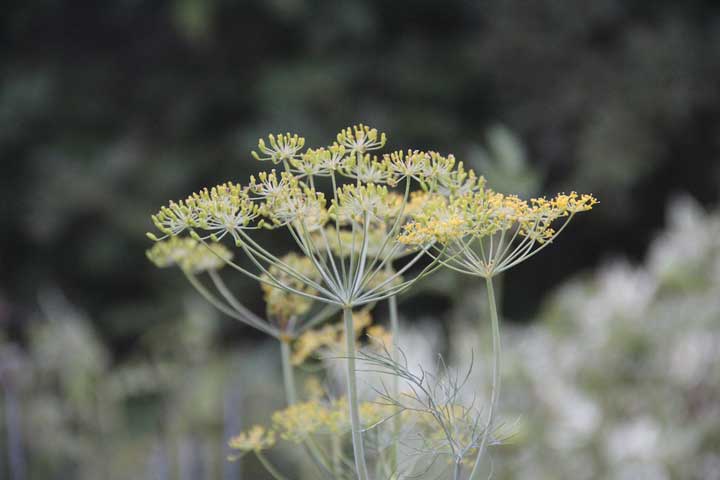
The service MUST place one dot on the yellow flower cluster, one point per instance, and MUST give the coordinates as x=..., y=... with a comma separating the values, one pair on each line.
x=281, y=304
x=256, y=439
x=282, y=148
x=272, y=188
x=297, y=422
x=485, y=213
x=361, y=203
x=189, y=254
x=271, y=199
x=219, y=210
x=319, y=162
x=361, y=138
x=367, y=169
x=380, y=337
x=332, y=337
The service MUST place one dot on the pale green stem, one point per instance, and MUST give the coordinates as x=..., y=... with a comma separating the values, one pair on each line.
x=495, y=394
x=395, y=387
x=357, y=440
x=456, y=470
x=291, y=398
x=269, y=466
x=288, y=376
x=336, y=455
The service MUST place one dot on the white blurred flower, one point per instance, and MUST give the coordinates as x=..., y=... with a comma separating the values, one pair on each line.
x=689, y=239
x=640, y=471
x=694, y=354
x=624, y=293
x=638, y=439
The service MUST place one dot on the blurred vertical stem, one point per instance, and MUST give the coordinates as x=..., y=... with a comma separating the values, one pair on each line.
x=357, y=440
x=287, y=370
x=14, y=432
x=497, y=353
x=269, y=466
x=336, y=455
x=395, y=387
x=291, y=399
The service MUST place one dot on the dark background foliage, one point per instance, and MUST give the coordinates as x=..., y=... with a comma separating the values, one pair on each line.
x=109, y=109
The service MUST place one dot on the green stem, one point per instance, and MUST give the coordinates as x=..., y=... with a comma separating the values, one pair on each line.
x=357, y=440
x=395, y=386
x=288, y=375
x=456, y=470
x=336, y=455
x=497, y=353
x=291, y=397
x=269, y=467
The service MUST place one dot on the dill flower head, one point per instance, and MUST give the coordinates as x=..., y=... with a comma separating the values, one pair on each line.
x=362, y=203
x=367, y=169
x=220, y=210
x=281, y=148
x=299, y=421
x=350, y=235
x=412, y=163
x=189, y=254
x=296, y=422
x=319, y=162
x=486, y=232
x=256, y=439
x=361, y=138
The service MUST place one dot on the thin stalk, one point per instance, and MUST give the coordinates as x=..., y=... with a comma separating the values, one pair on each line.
x=336, y=454
x=291, y=398
x=495, y=394
x=269, y=467
x=357, y=440
x=456, y=470
x=213, y=300
x=395, y=386
x=288, y=376
x=16, y=459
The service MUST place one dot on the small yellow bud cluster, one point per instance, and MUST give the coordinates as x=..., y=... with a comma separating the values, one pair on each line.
x=256, y=439
x=282, y=148
x=367, y=169
x=380, y=337
x=361, y=138
x=330, y=337
x=305, y=209
x=189, y=254
x=437, y=222
x=297, y=422
x=412, y=164
x=485, y=212
x=320, y=162
x=220, y=210
x=362, y=203
x=282, y=305
x=271, y=188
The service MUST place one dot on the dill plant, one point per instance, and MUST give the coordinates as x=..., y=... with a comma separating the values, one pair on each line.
x=350, y=238
x=380, y=208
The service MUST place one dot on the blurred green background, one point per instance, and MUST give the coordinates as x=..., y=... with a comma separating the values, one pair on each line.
x=109, y=109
